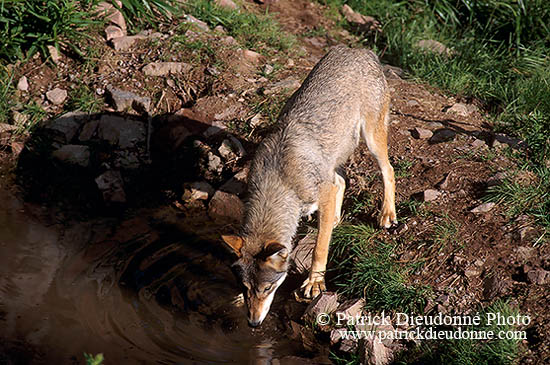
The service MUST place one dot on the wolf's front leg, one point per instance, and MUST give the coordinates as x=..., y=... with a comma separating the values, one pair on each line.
x=315, y=283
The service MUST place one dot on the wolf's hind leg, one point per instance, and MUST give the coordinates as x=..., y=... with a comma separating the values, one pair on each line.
x=315, y=283
x=375, y=133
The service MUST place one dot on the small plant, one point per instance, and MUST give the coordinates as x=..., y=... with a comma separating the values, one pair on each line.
x=93, y=360
x=402, y=168
x=84, y=99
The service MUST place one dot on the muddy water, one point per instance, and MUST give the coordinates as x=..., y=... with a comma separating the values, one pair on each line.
x=137, y=294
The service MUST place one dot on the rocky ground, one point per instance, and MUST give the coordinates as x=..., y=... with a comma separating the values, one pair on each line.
x=176, y=121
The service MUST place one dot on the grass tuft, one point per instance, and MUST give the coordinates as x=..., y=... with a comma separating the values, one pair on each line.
x=369, y=269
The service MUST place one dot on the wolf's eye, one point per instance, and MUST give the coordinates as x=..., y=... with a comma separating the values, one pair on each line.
x=268, y=288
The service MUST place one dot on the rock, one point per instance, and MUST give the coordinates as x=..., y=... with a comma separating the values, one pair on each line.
x=56, y=96
x=302, y=253
x=237, y=184
x=374, y=352
x=7, y=127
x=123, y=43
x=430, y=195
x=54, y=54
x=290, y=84
x=442, y=135
x=335, y=336
x=421, y=133
x=214, y=163
x=538, y=276
x=268, y=69
x=351, y=307
x=231, y=149
x=496, y=179
x=16, y=147
x=200, y=190
x=364, y=22
x=111, y=186
x=19, y=119
x=433, y=46
x=165, y=68
x=472, y=273
x=112, y=31
x=225, y=207
x=483, y=208
x=23, y=84
x=73, y=155
x=526, y=253
x=125, y=133
x=64, y=128
x=326, y=302
x=444, y=183
x=348, y=345
x=318, y=42
x=196, y=22
x=212, y=71
x=413, y=103
x=393, y=72
x=459, y=109
x=256, y=120
x=124, y=100
x=478, y=143
x=230, y=41
x=220, y=29
x=117, y=19
x=492, y=287
x=127, y=160
x=88, y=131
x=251, y=56
x=228, y=4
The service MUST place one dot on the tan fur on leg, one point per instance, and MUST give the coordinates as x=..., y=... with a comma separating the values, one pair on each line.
x=315, y=283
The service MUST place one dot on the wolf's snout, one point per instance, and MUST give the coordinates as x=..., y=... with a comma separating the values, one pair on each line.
x=254, y=323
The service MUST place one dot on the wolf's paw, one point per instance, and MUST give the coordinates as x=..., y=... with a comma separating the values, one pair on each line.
x=314, y=285
x=387, y=218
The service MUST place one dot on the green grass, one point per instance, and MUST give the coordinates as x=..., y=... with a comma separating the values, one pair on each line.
x=368, y=269
x=6, y=90
x=260, y=32
x=445, y=233
x=83, y=98
x=27, y=27
x=521, y=197
x=93, y=360
x=486, y=352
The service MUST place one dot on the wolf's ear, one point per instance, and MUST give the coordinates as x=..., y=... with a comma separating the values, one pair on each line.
x=272, y=249
x=235, y=242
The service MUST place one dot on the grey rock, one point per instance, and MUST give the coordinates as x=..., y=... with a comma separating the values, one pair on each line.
x=289, y=83
x=364, y=22
x=225, y=207
x=119, y=131
x=196, y=22
x=444, y=183
x=374, y=352
x=111, y=185
x=165, y=68
x=57, y=96
x=326, y=302
x=127, y=160
x=496, y=179
x=237, y=184
x=113, y=31
x=393, y=72
x=483, y=208
x=443, y=135
x=73, y=155
x=421, y=133
x=430, y=195
x=459, y=109
x=431, y=45
x=348, y=345
x=64, y=128
x=88, y=131
x=479, y=143
x=231, y=149
x=23, y=84
x=510, y=141
x=199, y=190
x=538, y=276
x=124, y=100
x=214, y=163
x=351, y=307
x=228, y=4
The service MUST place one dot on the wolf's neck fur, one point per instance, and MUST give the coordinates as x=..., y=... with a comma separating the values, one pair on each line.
x=273, y=210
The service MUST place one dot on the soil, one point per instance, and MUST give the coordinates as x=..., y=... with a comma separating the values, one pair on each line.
x=149, y=281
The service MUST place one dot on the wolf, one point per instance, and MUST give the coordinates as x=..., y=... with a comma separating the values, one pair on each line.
x=344, y=99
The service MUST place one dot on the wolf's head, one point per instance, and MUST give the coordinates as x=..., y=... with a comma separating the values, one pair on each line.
x=261, y=273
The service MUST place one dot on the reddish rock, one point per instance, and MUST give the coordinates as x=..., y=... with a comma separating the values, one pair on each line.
x=225, y=207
